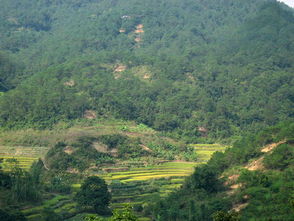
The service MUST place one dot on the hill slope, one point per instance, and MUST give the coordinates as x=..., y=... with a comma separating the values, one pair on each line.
x=225, y=66
x=253, y=178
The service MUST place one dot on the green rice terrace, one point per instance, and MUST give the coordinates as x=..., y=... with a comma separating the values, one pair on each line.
x=22, y=156
x=204, y=151
x=135, y=186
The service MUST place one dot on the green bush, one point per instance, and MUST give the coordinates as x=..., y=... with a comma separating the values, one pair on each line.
x=94, y=195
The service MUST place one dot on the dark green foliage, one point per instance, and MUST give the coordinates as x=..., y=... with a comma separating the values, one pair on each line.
x=170, y=151
x=217, y=69
x=48, y=214
x=24, y=188
x=126, y=147
x=281, y=158
x=48, y=104
x=112, y=141
x=254, y=179
x=8, y=72
x=94, y=195
x=206, y=178
x=59, y=184
x=268, y=192
x=5, y=179
x=84, y=155
x=19, y=187
x=11, y=216
x=222, y=66
x=270, y=196
x=226, y=216
x=58, y=159
x=36, y=171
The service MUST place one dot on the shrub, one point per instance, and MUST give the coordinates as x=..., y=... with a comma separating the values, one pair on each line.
x=94, y=195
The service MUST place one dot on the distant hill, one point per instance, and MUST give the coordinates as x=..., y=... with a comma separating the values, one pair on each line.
x=197, y=70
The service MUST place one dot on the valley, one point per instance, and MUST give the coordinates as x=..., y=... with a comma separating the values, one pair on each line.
x=159, y=110
x=136, y=186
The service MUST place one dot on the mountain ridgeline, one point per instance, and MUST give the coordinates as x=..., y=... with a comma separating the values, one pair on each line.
x=177, y=66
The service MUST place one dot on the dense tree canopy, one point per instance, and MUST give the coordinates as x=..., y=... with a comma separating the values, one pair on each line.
x=265, y=193
x=225, y=66
x=94, y=194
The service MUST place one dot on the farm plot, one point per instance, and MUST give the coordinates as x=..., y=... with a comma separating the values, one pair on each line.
x=170, y=169
x=137, y=186
x=60, y=204
x=140, y=186
x=21, y=156
x=205, y=151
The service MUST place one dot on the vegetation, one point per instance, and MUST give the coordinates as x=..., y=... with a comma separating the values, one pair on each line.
x=261, y=192
x=171, y=80
x=281, y=158
x=128, y=92
x=225, y=216
x=15, y=216
x=124, y=214
x=94, y=194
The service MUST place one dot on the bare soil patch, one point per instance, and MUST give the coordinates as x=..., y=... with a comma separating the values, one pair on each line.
x=100, y=147
x=255, y=165
x=120, y=68
x=69, y=150
x=69, y=83
x=240, y=206
x=271, y=146
x=120, y=169
x=90, y=114
x=146, y=148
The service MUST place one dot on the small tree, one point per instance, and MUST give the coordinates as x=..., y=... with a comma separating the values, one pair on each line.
x=125, y=214
x=94, y=195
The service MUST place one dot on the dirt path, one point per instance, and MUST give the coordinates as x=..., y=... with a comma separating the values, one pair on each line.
x=271, y=146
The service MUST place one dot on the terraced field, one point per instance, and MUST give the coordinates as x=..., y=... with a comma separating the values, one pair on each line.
x=136, y=186
x=60, y=204
x=170, y=169
x=24, y=156
x=204, y=151
x=140, y=186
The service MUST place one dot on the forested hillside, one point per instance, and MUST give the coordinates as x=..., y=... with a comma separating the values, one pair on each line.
x=121, y=99
x=253, y=180
x=190, y=68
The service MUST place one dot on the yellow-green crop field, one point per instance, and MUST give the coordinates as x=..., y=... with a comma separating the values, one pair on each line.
x=24, y=156
x=141, y=186
x=170, y=169
x=205, y=151
x=136, y=186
